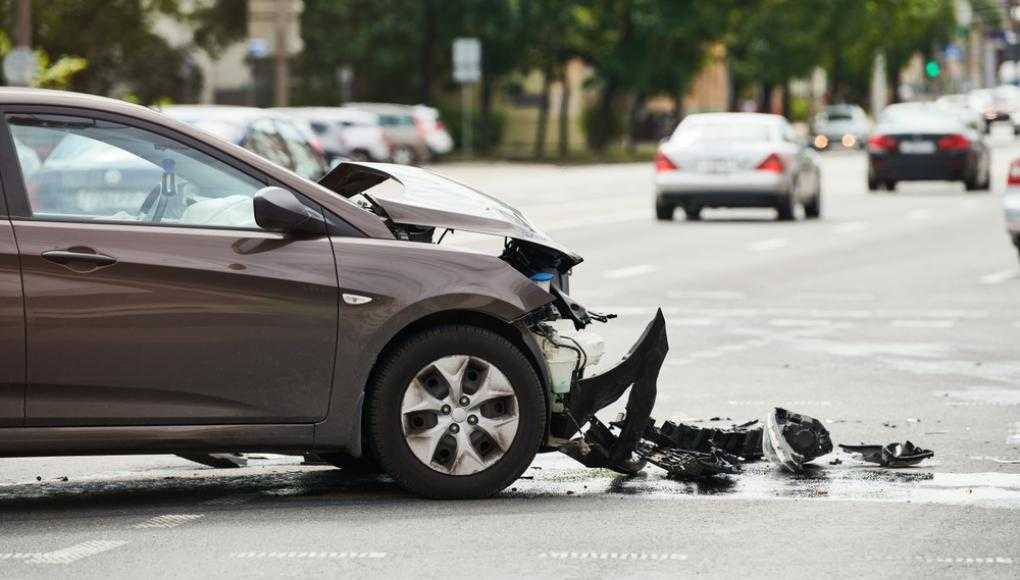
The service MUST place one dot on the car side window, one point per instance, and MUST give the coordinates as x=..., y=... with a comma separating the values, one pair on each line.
x=264, y=140
x=82, y=169
x=307, y=163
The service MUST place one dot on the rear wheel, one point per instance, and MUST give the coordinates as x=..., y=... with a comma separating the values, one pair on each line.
x=664, y=211
x=693, y=212
x=813, y=208
x=873, y=184
x=455, y=412
x=785, y=210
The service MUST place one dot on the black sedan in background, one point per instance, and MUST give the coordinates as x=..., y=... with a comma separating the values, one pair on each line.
x=919, y=142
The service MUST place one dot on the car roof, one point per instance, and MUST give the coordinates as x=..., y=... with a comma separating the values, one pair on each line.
x=224, y=113
x=331, y=113
x=385, y=108
x=735, y=118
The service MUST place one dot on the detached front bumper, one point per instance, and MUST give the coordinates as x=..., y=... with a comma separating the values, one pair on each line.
x=639, y=372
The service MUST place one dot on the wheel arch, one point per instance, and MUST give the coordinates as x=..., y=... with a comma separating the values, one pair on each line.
x=514, y=331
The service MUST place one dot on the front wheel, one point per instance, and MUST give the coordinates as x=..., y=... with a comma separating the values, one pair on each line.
x=455, y=412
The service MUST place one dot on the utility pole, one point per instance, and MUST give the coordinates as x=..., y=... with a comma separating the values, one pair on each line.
x=281, y=86
x=23, y=32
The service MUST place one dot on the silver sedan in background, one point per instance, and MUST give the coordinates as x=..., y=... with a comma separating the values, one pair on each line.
x=736, y=160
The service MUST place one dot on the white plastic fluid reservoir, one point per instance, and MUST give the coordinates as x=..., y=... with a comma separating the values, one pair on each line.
x=562, y=356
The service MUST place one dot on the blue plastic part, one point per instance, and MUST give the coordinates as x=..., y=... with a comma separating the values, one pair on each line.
x=542, y=277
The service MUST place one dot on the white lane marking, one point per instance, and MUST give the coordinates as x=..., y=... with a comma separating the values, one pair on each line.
x=706, y=295
x=1000, y=276
x=769, y=244
x=19, y=555
x=923, y=323
x=611, y=556
x=1014, y=437
x=850, y=227
x=75, y=552
x=168, y=521
x=919, y=214
x=693, y=322
x=786, y=403
x=311, y=555
x=798, y=322
x=629, y=271
x=942, y=559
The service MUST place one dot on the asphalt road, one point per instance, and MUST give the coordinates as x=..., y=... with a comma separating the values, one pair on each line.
x=894, y=317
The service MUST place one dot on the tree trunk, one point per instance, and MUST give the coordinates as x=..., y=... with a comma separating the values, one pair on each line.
x=892, y=81
x=765, y=98
x=632, y=121
x=735, y=89
x=428, y=50
x=543, y=114
x=602, y=127
x=485, y=137
x=787, y=100
x=564, y=120
x=678, y=109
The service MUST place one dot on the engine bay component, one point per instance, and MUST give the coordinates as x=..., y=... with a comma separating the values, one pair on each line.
x=791, y=440
x=567, y=353
x=892, y=455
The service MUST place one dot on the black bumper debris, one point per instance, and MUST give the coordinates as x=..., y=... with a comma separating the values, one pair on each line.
x=891, y=455
x=686, y=464
x=638, y=371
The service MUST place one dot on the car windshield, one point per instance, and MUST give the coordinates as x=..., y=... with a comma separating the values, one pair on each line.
x=839, y=115
x=723, y=132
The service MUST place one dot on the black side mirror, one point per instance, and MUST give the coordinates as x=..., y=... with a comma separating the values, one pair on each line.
x=279, y=210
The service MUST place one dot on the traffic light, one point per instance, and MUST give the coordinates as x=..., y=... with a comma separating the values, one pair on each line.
x=932, y=69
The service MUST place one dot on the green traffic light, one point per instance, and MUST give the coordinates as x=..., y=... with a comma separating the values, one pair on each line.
x=932, y=68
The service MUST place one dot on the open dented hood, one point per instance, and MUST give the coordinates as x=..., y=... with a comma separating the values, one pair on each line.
x=424, y=198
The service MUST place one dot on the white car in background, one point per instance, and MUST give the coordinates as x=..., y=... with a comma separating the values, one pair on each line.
x=846, y=125
x=346, y=133
x=428, y=122
x=736, y=160
x=1011, y=203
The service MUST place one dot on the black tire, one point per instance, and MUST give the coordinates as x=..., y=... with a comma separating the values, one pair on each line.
x=975, y=184
x=664, y=211
x=873, y=184
x=385, y=427
x=785, y=208
x=693, y=213
x=813, y=208
x=890, y=186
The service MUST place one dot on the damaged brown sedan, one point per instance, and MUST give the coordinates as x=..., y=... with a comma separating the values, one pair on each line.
x=164, y=291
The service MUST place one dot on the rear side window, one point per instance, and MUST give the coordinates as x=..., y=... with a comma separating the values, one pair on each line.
x=80, y=169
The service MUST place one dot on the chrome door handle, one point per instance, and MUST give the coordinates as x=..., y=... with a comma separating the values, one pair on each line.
x=70, y=259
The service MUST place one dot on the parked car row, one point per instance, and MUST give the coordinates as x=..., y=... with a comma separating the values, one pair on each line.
x=311, y=140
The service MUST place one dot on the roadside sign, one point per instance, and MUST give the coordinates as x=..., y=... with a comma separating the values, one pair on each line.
x=467, y=60
x=20, y=67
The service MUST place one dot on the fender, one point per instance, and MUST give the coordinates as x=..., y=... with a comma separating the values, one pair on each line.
x=485, y=284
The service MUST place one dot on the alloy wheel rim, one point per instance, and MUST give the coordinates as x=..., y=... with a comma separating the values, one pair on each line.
x=459, y=415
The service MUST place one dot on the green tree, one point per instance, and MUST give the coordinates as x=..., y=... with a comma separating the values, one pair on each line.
x=115, y=38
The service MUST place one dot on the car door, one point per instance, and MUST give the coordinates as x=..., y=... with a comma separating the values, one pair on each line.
x=12, y=315
x=151, y=295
